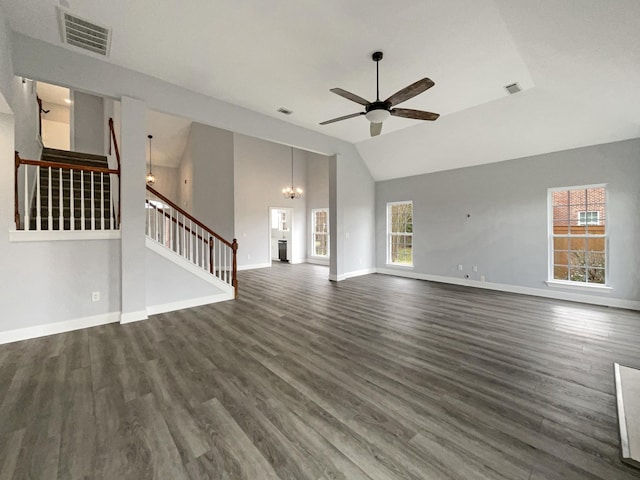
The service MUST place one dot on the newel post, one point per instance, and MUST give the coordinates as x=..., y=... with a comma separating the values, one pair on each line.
x=234, y=278
x=15, y=188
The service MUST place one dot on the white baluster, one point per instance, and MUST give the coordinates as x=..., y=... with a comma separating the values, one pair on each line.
x=171, y=228
x=156, y=217
x=60, y=202
x=197, y=247
x=191, y=241
x=184, y=236
x=49, y=202
x=26, y=198
x=72, y=210
x=226, y=266
x=82, y=227
x=38, y=217
x=93, y=205
x=112, y=205
x=101, y=201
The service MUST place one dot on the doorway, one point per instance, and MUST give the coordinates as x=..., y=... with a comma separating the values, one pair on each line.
x=281, y=234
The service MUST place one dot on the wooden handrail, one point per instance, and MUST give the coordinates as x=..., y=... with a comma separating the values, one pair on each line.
x=190, y=217
x=65, y=166
x=17, y=197
x=177, y=222
x=115, y=146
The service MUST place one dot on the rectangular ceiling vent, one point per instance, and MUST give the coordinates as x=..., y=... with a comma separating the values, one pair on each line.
x=84, y=34
x=513, y=88
x=286, y=111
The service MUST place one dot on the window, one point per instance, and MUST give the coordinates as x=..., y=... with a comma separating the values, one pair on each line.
x=320, y=229
x=400, y=233
x=588, y=218
x=279, y=220
x=578, y=243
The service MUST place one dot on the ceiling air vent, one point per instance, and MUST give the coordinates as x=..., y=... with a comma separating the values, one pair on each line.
x=513, y=88
x=285, y=111
x=84, y=34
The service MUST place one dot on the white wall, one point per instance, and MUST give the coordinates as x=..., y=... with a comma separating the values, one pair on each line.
x=506, y=233
x=262, y=170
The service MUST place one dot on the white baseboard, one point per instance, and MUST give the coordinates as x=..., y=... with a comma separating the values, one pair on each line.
x=130, y=317
x=58, y=327
x=536, y=292
x=355, y=273
x=192, y=302
x=254, y=266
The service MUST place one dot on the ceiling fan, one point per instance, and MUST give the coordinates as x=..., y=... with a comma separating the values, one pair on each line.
x=378, y=111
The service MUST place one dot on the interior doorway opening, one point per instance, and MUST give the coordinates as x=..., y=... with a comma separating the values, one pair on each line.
x=281, y=234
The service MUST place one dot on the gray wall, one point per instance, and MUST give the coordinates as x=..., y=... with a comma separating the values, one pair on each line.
x=262, y=170
x=506, y=234
x=167, y=182
x=317, y=195
x=211, y=151
x=88, y=123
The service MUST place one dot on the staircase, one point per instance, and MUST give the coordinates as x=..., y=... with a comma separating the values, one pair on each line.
x=73, y=197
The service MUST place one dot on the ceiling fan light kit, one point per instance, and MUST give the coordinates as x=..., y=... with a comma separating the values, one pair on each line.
x=377, y=112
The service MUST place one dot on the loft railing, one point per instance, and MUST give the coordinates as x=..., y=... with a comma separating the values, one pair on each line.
x=171, y=226
x=84, y=198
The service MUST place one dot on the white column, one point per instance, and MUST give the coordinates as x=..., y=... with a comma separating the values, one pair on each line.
x=132, y=227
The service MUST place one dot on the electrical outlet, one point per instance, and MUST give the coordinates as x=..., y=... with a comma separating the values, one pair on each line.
x=248, y=256
x=475, y=268
x=95, y=296
x=460, y=267
x=482, y=278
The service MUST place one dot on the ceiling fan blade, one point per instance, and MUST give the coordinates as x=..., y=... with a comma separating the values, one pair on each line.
x=342, y=118
x=415, y=114
x=376, y=128
x=409, y=92
x=350, y=96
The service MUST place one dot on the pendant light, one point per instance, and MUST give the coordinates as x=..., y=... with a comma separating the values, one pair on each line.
x=151, y=178
x=290, y=192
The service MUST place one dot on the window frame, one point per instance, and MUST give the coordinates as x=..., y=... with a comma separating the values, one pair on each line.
x=389, y=233
x=551, y=281
x=586, y=221
x=314, y=233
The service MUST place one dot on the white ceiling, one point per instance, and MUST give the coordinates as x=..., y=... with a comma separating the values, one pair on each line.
x=578, y=61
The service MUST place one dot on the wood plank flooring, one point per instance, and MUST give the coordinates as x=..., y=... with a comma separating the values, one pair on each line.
x=375, y=377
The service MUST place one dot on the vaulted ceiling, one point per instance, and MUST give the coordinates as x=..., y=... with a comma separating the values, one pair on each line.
x=577, y=61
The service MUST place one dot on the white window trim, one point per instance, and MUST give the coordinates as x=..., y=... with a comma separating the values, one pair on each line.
x=552, y=282
x=388, y=261
x=313, y=233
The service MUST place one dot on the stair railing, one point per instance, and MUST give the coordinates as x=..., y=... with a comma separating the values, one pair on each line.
x=173, y=227
x=114, y=142
x=90, y=209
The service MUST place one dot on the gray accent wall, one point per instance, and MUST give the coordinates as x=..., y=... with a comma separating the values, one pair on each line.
x=317, y=196
x=494, y=216
x=88, y=123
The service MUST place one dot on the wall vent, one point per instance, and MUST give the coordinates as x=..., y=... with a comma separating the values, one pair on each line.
x=513, y=88
x=285, y=111
x=84, y=34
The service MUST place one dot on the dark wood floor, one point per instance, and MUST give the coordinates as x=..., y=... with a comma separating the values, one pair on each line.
x=376, y=377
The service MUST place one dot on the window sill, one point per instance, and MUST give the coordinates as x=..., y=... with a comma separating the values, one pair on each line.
x=62, y=235
x=399, y=265
x=579, y=286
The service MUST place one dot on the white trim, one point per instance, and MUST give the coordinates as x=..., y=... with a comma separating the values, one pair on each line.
x=58, y=327
x=584, y=286
x=190, y=303
x=314, y=233
x=62, y=235
x=355, y=273
x=536, y=292
x=389, y=233
x=622, y=420
x=130, y=317
x=254, y=266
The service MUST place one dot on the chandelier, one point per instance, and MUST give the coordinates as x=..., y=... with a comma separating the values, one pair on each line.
x=290, y=192
x=151, y=178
